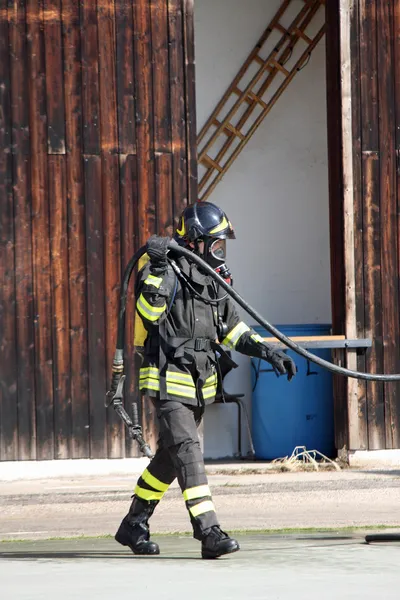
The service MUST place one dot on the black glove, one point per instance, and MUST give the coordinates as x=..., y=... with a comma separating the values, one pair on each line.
x=283, y=364
x=157, y=248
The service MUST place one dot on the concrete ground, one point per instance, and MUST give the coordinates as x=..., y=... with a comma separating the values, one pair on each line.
x=329, y=567
x=248, y=496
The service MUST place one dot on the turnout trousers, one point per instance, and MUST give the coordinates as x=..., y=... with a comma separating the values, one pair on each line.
x=179, y=455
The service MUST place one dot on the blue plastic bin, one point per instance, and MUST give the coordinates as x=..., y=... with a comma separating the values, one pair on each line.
x=299, y=413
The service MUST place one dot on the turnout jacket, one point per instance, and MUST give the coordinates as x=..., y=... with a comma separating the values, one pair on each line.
x=179, y=358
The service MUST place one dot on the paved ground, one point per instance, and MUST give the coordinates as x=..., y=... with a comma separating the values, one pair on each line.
x=251, y=500
x=267, y=567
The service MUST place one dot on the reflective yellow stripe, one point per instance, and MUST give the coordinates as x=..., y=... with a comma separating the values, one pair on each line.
x=149, y=371
x=147, y=494
x=209, y=392
x=233, y=336
x=183, y=378
x=174, y=389
x=181, y=390
x=172, y=376
x=201, y=508
x=181, y=232
x=257, y=338
x=196, y=492
x=211, y=380
x=149, y=384
x=152, y=280
x=223, y=225
x=151, y=313
x=154, y=482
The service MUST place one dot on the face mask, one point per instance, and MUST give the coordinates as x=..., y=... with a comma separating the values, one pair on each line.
x=216, y=258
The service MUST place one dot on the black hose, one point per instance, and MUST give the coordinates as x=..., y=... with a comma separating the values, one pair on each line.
x=275, y=332
x=118, y=358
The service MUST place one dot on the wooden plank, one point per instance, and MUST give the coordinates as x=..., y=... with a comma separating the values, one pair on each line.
x=145, y=146
x=373, y=295
x=358, y=219
x=371, y=220
x=346, y=14
x=40, y=233
x=112, y=282
x=388, y=209
x=144, y=119
x=60, y=303
x=25, y=311
x=90, y=77
x=178, y=108
x=95, y=299
x=19, y=74
x=309, y=338
x=164, y=194
x=161, y=89
x=23, y=234
x=396, y=67
x=336, y=217
x=129, y=219
x=125, y=77
x=190, y=86
x=54, y=77
x=107, y=77
x=8, y=368
x=76, y=231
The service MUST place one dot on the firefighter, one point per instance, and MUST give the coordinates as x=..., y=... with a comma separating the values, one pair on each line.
x=189, y=320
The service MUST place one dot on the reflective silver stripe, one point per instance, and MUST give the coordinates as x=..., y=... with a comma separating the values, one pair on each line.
x=153, y=280
x=235, y=334
x=257, y=338
x=149, y=312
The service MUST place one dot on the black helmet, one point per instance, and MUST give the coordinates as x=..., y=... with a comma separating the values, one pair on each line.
x=205, y=222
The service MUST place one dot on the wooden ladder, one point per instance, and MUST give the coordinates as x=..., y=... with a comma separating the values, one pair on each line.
x=252, y=94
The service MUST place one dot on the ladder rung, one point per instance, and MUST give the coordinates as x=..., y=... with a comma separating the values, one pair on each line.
x=207, y=159
x=301, y=34
x=278, y=66
x=281, y=28
x=258, y=59
x=235, y=131
x=251, y=97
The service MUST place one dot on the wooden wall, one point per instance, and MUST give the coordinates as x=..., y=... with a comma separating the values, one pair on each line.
x=374, y=421
x=98, y=151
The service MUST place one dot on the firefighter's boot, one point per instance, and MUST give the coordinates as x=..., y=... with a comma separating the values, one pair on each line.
x=134, y=530
x=216, y=542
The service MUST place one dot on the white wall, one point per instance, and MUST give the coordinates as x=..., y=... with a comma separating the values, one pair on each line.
x=275, y=194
